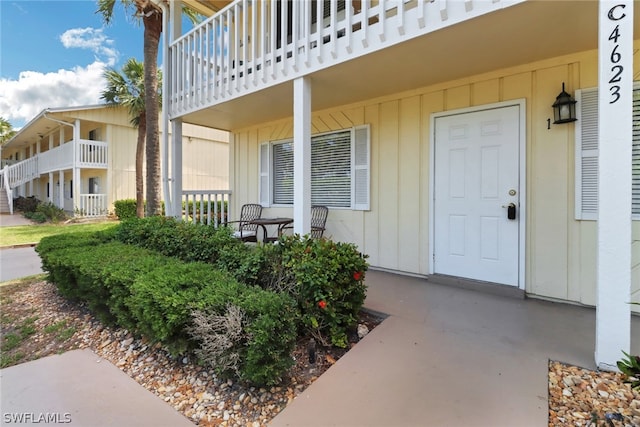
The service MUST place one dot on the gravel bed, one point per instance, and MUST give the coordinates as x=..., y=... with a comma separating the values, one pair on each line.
x=582, y=397
x=192, y=390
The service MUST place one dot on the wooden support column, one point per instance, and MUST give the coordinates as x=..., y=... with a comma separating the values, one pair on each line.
x=302, y=155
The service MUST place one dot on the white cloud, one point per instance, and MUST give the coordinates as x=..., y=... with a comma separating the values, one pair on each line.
x=22, y=99
x=92, y=39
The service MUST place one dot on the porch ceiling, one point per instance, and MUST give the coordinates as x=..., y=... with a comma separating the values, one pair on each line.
x=207, y=7
x=519, y=34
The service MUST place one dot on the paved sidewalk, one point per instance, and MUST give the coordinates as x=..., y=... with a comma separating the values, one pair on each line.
x=79, y=388
x=7, y=220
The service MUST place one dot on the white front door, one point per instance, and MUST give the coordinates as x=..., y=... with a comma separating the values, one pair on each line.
x=476, y=179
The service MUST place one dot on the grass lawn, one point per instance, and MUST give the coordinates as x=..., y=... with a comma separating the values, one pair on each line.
x=24, y=234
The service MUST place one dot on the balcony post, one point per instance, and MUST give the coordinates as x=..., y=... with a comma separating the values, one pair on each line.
x=61, y=189
x=75, y=174
x=50, y=184
x=302, y=155
x=176, y=168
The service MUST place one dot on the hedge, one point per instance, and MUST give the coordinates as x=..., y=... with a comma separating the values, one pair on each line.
x=155, y=296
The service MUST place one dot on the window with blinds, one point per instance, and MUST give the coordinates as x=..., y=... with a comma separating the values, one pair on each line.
x=339, y=170
x=587, y=155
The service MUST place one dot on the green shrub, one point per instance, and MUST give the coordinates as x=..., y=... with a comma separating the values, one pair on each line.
x=327, y=280
x=171, y=237
x=51, y=212
x=38, y=217
x=125, y=209
x=164, y=302
x=26, y=204
x=630, y=368
x=50, y=244
x=85, y=268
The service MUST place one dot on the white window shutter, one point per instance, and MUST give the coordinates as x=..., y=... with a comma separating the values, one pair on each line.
x=635, y=155
x=264, y=189
x=361, y=171
x=587, y=155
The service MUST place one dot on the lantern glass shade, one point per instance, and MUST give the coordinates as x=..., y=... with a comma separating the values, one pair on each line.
x=564, y=109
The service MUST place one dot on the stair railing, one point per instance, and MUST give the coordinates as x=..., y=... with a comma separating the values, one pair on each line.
x=4, y=183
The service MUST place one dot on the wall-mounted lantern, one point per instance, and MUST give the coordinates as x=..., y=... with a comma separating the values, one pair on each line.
x=564, y=109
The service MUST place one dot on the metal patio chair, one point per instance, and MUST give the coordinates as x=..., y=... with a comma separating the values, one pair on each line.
x=246, y=230
x=319, y=215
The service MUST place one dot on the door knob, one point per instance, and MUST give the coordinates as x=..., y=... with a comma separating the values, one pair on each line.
x=511, y=210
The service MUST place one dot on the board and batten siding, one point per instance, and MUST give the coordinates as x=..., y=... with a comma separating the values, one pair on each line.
x=560, y=250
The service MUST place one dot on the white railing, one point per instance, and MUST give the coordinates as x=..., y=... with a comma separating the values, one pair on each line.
x=21, y=172
x=209, y=207
x=92, y=205
x=91, y=154
x=254, y=44
x=4, y=185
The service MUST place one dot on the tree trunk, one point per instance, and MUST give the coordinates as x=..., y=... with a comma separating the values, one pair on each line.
x=142, y=130
x=152, y=30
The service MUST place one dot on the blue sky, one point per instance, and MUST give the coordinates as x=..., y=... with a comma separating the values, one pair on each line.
x=53, y=54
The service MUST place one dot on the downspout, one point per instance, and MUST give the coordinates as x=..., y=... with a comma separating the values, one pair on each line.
x=168, y=205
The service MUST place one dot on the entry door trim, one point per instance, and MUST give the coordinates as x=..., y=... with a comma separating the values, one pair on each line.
x=522, y=209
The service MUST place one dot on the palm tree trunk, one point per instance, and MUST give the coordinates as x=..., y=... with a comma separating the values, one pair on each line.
x=142, y=130
x=152, y=30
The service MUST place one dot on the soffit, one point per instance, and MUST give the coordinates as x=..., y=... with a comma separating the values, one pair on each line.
x=207, y=7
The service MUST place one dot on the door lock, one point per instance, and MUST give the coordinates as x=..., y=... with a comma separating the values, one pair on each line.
x=511, y=210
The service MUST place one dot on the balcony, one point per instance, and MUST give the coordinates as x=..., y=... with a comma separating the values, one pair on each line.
x=88, y=154
x=80, y=154
x=253, y=45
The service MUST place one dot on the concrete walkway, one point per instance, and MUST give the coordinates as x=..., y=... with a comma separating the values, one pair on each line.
x=448, y=357
x=7, y=220
x=79, y=388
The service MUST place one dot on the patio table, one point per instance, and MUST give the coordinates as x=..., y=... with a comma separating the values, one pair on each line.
x=264, y=222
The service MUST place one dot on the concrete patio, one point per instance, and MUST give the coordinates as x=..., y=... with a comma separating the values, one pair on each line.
x=449, y=357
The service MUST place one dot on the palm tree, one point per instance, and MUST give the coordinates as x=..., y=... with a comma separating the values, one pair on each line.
x=128, y=89
x=151, y=16
x=6, y=130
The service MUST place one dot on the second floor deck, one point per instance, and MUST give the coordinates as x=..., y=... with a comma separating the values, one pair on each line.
x=252, y=45
x=83, y=153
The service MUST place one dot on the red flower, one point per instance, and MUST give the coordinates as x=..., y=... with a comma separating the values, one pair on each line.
x=357, y=276
x=322, y=304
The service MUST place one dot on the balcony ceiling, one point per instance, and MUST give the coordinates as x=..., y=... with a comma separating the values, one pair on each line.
x=207, y=7
x=520, y=34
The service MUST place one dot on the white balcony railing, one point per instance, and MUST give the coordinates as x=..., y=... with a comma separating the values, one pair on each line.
x=88, y=154
x=209, y=207
x=91, y=154
x=254, y=44
x=21, y=172
x=92, y=205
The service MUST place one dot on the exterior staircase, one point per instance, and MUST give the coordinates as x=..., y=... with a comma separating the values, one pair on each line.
x=4, y=202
